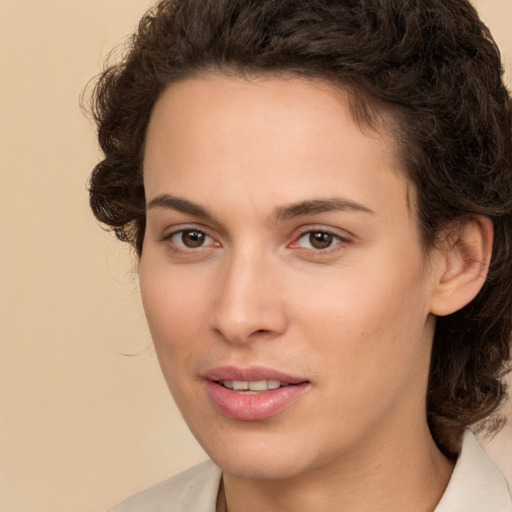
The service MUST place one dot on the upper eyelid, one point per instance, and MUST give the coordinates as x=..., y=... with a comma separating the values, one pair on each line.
x=337, y=232
x=321, y=230
x=217, y=232
x=171, y=231
x=340, y=238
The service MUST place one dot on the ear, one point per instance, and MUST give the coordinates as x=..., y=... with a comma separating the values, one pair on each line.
x=461, y=265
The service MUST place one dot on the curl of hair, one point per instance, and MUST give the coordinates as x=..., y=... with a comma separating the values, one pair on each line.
x=433, y=63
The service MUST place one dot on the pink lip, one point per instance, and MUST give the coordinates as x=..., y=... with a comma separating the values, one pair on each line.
x=251, y=373
x=252, y=407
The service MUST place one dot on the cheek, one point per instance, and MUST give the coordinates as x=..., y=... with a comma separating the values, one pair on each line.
x=370, y=349
x=368, y=324
x=175, y=305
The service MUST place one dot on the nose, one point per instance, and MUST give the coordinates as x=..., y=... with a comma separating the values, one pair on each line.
x=249, y=302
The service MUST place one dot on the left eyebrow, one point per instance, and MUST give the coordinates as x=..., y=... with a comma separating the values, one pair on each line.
x=168, y=202
x=317, y=206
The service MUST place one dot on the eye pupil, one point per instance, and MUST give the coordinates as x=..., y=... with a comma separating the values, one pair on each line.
x=320, y=240
x=192, y=238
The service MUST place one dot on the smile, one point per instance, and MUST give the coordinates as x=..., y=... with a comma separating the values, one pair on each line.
x=254, y=386
x=252, y=394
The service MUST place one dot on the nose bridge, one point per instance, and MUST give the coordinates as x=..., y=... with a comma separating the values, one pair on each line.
x=248, y=301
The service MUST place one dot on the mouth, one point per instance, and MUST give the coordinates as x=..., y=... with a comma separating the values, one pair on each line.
x=255, y=379
x=253, y=394
x=249, y=387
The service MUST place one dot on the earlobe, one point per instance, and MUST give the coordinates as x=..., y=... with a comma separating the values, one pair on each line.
x=462, y=265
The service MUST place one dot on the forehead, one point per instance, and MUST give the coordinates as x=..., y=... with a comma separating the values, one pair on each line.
x=285, y=90
x=270, y=137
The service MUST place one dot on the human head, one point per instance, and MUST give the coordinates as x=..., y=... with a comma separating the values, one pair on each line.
x=432, y=64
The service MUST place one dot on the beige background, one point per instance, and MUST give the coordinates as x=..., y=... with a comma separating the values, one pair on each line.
x=85, y=415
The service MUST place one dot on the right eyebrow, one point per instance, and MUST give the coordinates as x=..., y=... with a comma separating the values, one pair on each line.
x=167, y=201
x=318, y=206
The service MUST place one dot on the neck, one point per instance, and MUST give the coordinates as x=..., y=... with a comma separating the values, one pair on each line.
x=402, y=471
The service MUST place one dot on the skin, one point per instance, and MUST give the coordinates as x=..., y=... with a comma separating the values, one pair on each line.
x=354, y=319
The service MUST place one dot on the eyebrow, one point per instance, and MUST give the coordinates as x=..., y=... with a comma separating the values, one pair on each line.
x=317, y=206
x=166, y=201
x=299, y=209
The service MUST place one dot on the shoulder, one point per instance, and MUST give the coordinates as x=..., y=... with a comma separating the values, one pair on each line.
x=477, y=484
x=194, y=490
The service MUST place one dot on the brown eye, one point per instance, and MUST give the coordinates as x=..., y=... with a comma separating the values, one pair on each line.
x=320, y=239
x=190, y=238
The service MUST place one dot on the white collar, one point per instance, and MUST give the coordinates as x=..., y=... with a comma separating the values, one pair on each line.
x=476, y=484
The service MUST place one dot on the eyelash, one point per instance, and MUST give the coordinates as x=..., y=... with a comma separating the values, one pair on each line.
x=181, y=247
x=336, y=240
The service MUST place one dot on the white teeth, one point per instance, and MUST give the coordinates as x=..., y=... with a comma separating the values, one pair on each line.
x=273, y=384
x=254, y=385
x=258, y=385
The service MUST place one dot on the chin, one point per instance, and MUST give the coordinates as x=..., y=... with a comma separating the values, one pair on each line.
x=277, y=467
x=259, y=455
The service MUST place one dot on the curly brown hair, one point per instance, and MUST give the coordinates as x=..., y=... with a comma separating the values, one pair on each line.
x=432, y=63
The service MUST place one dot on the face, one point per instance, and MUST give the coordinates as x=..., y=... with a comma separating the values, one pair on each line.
x=282, y=275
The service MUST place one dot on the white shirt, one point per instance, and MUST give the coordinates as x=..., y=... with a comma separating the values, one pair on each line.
x=476, y=485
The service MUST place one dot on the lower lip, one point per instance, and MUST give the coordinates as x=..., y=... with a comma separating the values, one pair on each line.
x=253, y=407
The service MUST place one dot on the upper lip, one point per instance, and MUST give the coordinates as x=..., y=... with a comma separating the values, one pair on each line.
x=251, y=373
